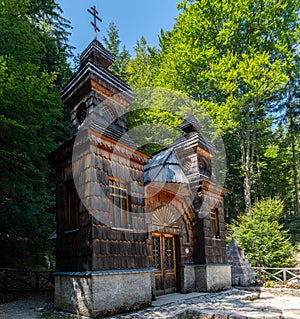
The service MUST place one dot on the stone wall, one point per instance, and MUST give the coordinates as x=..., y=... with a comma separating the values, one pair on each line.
x=205, y=278
x=213, y=277
x=102, y=293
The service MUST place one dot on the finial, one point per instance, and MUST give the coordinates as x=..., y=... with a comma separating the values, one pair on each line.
x=93, y=11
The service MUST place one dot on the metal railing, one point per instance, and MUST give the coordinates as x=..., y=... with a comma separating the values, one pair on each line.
x=26, y=280
x=282, y=275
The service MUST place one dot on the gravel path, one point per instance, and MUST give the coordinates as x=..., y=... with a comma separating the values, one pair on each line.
x=234, y=302
x=29, y=308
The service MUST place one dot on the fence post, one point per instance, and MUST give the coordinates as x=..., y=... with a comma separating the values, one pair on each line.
x=37, y=280
x=284, y=276
x=5, y=281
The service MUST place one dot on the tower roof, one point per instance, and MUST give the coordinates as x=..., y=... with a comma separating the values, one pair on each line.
x=96, y=53
x=193, y=138
x=190, y=124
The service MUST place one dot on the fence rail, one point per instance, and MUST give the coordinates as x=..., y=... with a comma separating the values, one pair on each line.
x=25, y=280
x=282, y=275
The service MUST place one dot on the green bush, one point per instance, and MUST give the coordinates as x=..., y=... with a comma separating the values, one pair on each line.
x=265, y=242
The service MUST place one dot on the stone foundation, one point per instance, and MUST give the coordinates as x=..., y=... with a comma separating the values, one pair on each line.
x=102, y=293
x=187, y=276
x=205, y=278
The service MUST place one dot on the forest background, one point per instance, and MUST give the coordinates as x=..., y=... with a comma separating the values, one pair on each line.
x=237, y=59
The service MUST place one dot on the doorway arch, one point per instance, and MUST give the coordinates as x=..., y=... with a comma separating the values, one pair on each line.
x=171, y=233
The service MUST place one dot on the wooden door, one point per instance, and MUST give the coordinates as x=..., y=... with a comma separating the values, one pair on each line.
x=164, y=260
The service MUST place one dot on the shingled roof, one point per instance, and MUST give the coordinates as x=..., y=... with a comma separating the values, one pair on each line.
x=164, y=167
x=191, y=126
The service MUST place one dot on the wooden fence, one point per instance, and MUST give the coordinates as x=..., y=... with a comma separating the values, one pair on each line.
x=282, y=275
x=13, y=280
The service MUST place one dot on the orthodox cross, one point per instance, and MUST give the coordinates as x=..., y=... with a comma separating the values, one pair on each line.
x=93, y=11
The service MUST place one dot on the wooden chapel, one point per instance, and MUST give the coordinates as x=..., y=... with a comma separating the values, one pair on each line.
x=129, y=226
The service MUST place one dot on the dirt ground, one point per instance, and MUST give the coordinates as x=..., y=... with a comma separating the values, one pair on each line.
x=289, y=305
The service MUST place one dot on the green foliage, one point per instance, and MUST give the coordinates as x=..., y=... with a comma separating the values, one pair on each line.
x=262, y=237
x=140, y=70
x=154, y=118
x=122, y=57
x=32, y=67
x=292, y=223
x=240, y=60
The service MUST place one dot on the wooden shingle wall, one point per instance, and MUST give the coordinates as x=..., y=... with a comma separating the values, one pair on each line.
x=115, y=248
x=215, y=248
x=96, y=245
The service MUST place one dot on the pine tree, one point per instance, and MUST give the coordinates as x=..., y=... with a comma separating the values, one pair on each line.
x=33, y=66
x=122, y=57
x=262, y=237
x=141, y=69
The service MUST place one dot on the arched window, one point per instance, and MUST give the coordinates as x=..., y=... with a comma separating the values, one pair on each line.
x=81, y=112
x=72, y=206
x=203, y=163
x=215, y=226
x=109, y=113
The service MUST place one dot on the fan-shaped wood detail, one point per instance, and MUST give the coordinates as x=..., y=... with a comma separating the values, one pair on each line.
x=164, y=216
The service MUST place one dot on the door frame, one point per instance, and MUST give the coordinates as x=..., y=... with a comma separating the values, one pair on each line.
x=162, y=273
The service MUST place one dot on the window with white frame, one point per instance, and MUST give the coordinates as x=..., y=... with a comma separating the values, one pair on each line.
x=119, y=204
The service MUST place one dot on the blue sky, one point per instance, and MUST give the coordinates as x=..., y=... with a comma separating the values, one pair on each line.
x=134, y=19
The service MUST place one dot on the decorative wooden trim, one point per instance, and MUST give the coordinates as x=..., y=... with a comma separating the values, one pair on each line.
x=213, y=188
x=109, y=94
x=107, y=139
x=160, y=233
x=204, y=153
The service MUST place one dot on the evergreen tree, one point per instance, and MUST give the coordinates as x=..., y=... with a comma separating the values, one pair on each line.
x=33, y=66
x=122, y=57
x=261, y=235
x=234, y=58
x=140, y=70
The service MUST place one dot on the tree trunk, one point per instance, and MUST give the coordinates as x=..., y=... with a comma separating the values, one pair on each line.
x=247, y=179
x=294, y=155
x=245, y=146
x=295, y=168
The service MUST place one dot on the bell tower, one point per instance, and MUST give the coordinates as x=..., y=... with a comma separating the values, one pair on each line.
x=101, y=250
x=94, y=84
